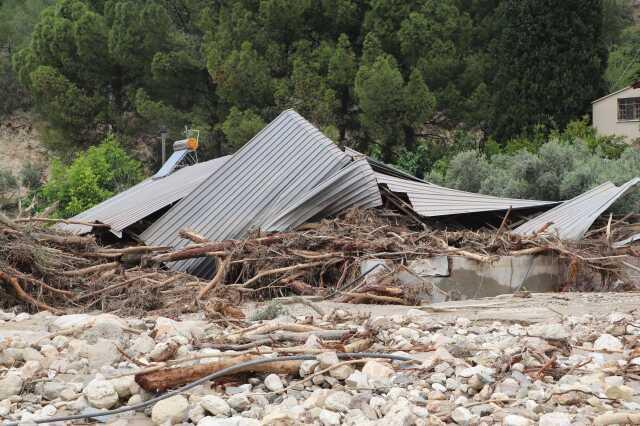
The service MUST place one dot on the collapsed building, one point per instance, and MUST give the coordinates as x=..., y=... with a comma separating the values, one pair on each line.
x=290, y=174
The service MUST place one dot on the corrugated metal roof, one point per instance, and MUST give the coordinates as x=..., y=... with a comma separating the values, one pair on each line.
x=355, y=185
x=143, y=199
x=574, y=217
x=431, y=200
x=627, y=241
x=285, y=174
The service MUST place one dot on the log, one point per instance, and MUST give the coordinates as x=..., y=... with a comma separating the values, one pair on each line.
x=65, y=221
x=276, y=326
x=301, y=288
x=217, y=279
x=280, y=270
x=26, y=297
x=206, y=249
x=531, y=250
x=289, y=336
x=192, y=236
x=359, y=297
x=91, y=269
x=63, y=240
x=158, y=381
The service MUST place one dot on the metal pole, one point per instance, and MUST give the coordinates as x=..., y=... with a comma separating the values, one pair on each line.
x=163, y=136
x=164, y=155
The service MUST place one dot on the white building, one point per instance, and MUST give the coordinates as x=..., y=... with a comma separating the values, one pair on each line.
x=618, y=113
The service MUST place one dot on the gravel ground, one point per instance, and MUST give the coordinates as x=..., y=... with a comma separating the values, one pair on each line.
x=551, y=359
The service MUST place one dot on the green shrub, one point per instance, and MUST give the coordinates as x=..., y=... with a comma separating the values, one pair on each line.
x=558, y=171
x=92, y=177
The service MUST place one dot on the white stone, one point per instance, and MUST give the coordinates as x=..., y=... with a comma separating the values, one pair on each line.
x=52, y=390
x=622, y=392
x=142, y=344
x=357, y=380
x=342, y=372
x=462, y=416
x=317, y=398
x=239, y=402
x=172, y=410
x=5, y=407
x=377, y=372
x=125, y=386
x=135, y=399
x=408, y=333
x=30, y=369
x=327, y=359
x=101, y=394
x=60, y=341
x=273, y=383
x=215, y=405
x=196, y=413
x=555, y=419
x=307, y=367
x=338, y=401
x=553, y=331
x=515, y=420
x=69, y=321
x=10, y=385
x=607, y=342
x=329, y=418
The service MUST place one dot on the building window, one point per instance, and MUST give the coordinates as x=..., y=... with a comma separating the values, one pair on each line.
x=629, y=109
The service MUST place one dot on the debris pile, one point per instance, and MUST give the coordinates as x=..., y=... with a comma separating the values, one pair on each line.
x=58, y=272
x=44, y=269
x=421, y=368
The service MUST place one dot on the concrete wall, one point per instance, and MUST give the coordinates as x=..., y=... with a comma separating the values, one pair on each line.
x=605, y=116
x=468, y=279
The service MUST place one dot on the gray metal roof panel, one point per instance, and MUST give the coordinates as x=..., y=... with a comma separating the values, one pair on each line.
x=170, y=164
x=574, y=217
x=431, y=200
x=145, y=198
x=354, y=185
x=275, y=180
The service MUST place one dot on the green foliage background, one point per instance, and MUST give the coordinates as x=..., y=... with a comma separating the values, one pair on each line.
x=466, y=92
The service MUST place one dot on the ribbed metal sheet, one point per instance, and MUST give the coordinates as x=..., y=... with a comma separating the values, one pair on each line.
x=143, y=199
x=627, y=241
x=285, y=174
x=574, y=217
x=431, y=200
x=355, y=185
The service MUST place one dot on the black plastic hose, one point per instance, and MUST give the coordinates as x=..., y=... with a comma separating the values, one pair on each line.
x=211, y=376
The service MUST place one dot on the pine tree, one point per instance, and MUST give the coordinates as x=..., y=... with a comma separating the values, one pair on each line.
x=549, y=62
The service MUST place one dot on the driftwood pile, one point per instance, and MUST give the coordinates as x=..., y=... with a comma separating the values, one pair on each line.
x=48, y=270
x=45, y=269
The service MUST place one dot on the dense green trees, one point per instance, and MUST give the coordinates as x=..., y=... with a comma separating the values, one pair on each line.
x=17, y=18
x=372, y=73
x=550, y=59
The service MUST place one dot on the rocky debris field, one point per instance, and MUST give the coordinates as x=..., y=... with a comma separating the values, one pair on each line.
x=579, y=369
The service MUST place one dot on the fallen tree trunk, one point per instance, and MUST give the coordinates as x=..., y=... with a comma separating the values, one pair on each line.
x=24, y=296
x=206, y=249
x=288, y=336
x=161, y=380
